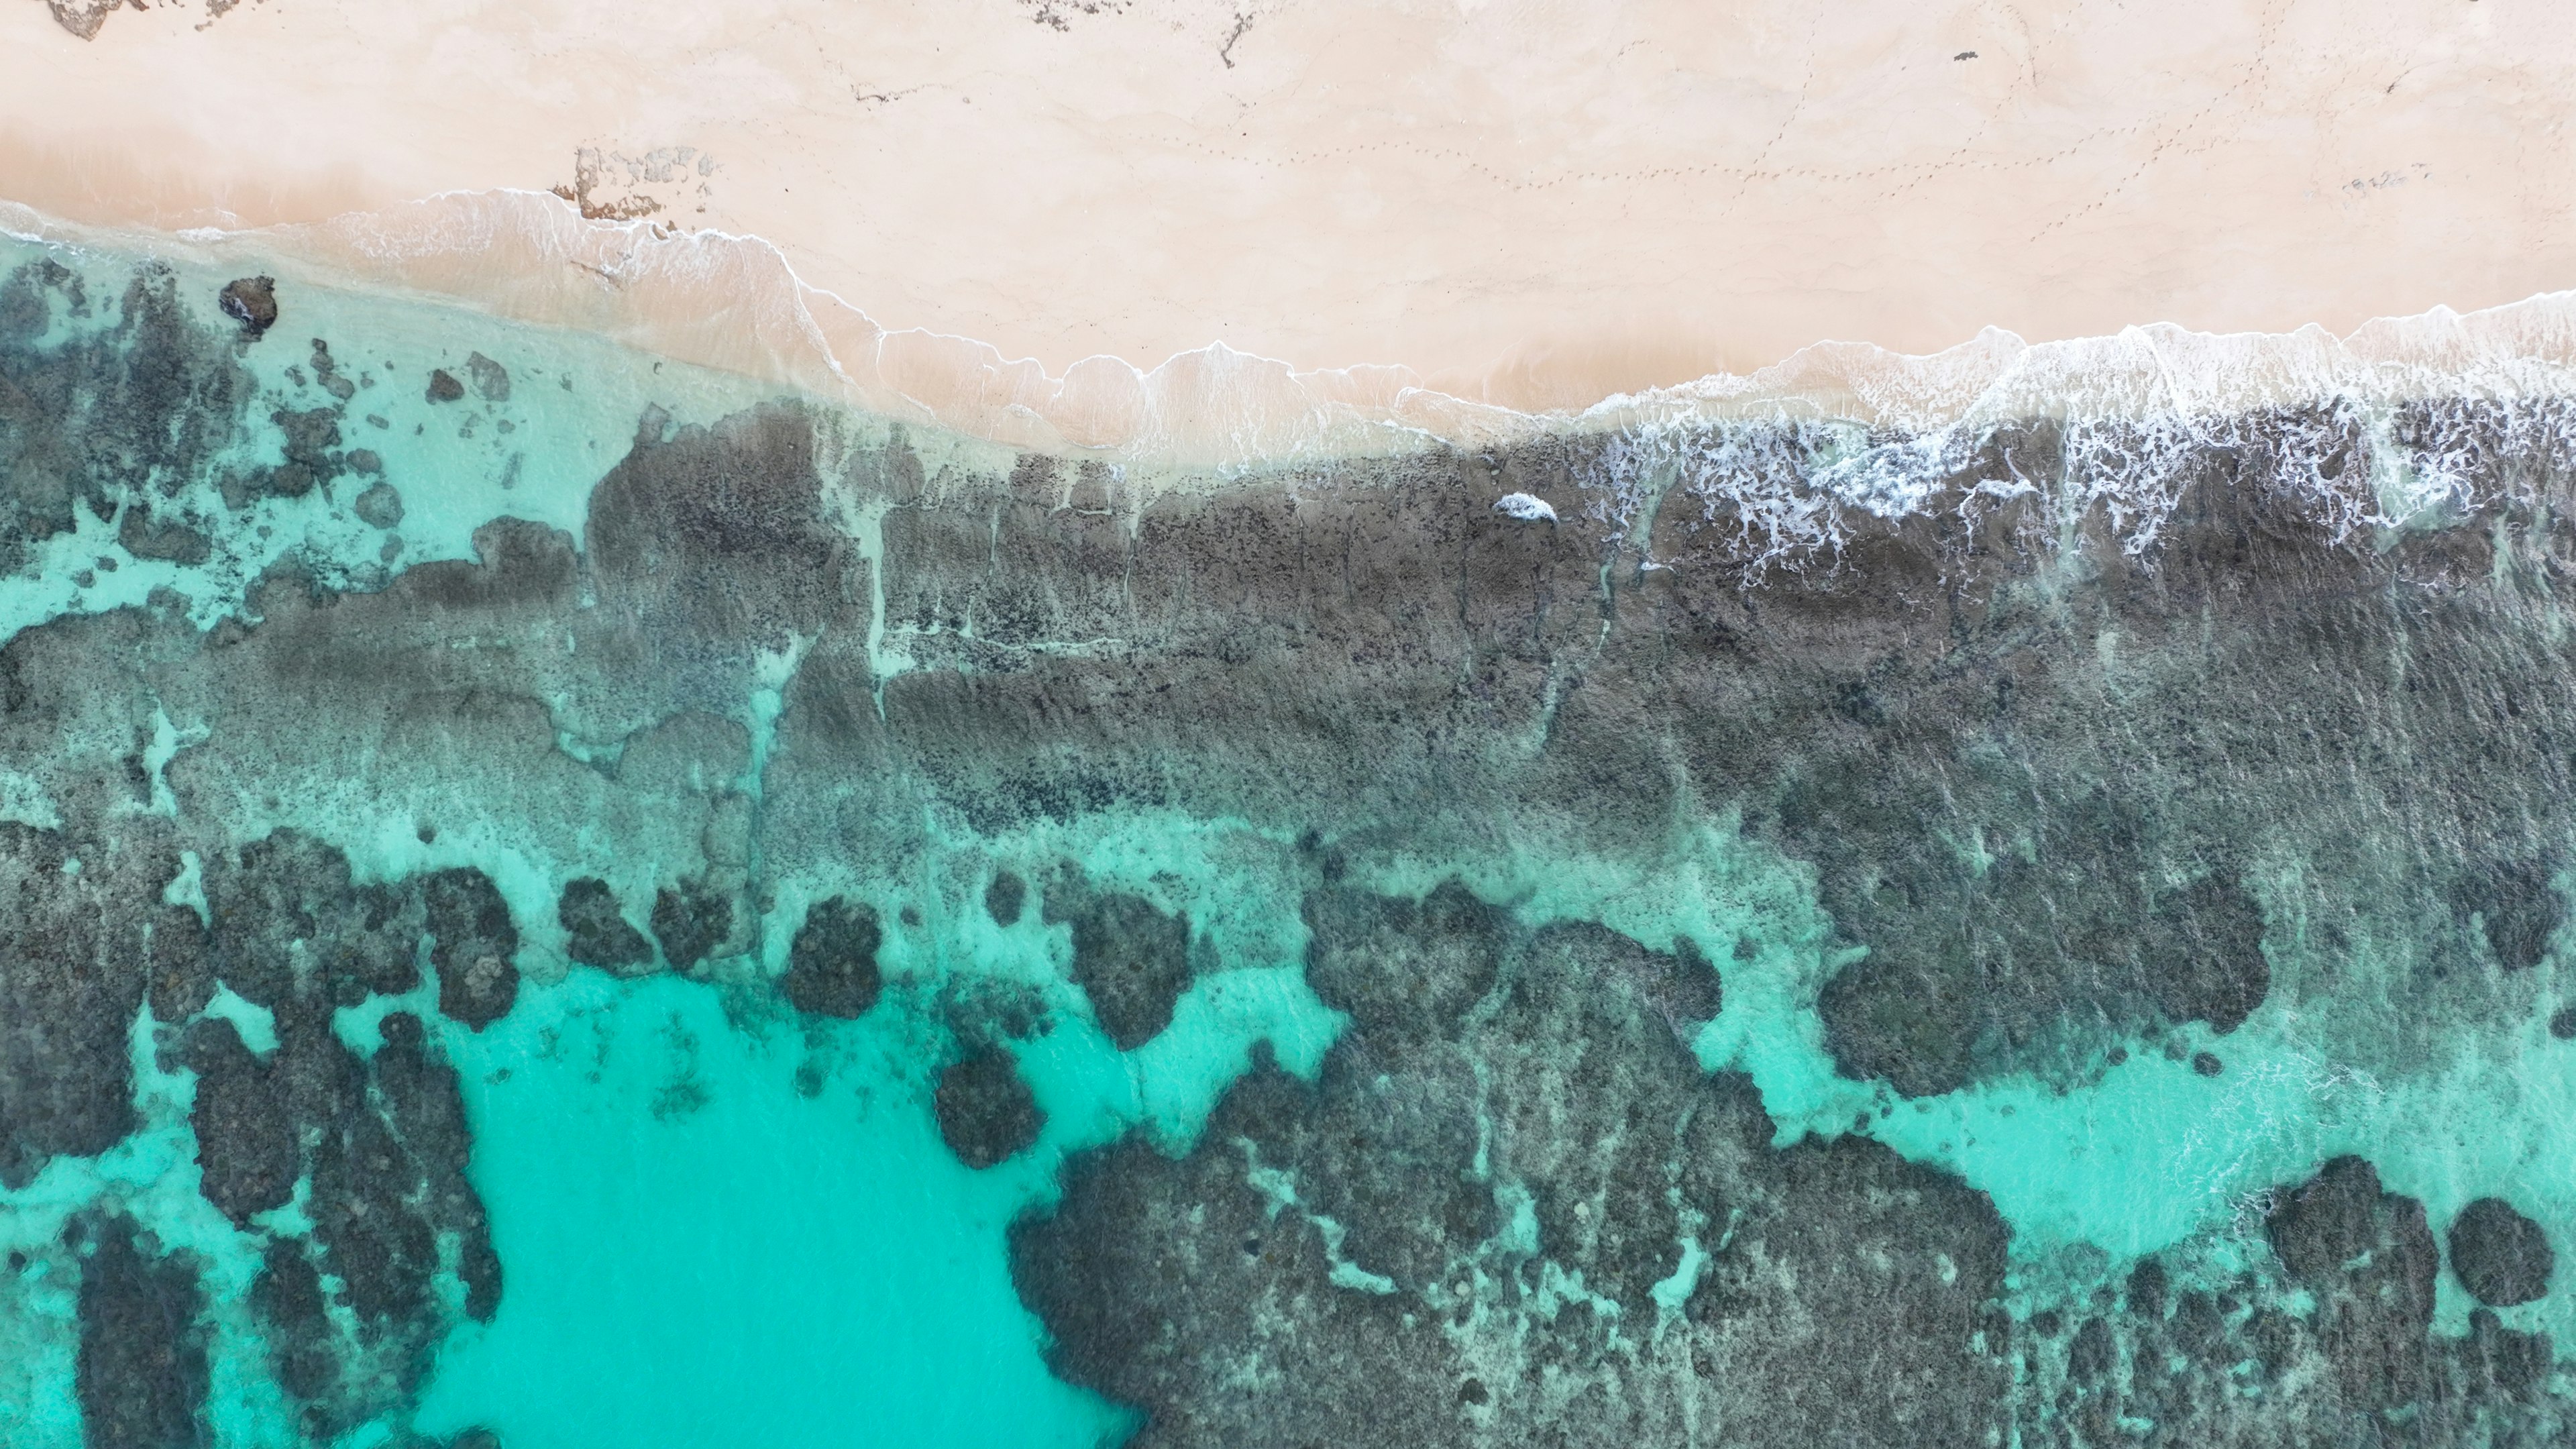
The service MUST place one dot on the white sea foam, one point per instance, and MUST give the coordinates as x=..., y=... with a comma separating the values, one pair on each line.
x=1786, y=454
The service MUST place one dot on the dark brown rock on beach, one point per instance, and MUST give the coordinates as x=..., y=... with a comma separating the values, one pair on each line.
x=251, y=301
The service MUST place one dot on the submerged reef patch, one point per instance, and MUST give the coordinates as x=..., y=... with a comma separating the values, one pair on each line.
x=753, y=923
x=1514, y=1209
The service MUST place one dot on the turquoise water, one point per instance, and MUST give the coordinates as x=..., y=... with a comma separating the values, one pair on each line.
x=723, y=1221
x=693, y=1176
x=678, y=1200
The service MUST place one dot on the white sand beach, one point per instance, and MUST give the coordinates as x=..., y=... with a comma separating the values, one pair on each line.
x=1524, y=204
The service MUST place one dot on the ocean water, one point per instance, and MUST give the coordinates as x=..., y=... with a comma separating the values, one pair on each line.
x=563, y=898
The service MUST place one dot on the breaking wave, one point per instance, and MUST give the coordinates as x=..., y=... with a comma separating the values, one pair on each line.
x=2404, y=423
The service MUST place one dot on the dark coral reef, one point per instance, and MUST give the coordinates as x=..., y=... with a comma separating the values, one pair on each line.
x=2113, y=738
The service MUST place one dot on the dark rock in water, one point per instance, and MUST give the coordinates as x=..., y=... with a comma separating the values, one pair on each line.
x=141, y=1376
x=382, y=1143
x=2562, y=1023
x=443, y=386
x=2205, y=954
x=372, y=1237
x=289, y=888
x=474, y=946
x=491, y=379
x=1566, y=1080
x=386, y=1161
x=2512, y=1362
x=311, y=439
x=251, y=301
x=1914, y=1012
x=717, y=538
x=427, y=1110
x=2516, y=907
x=310, y=436
x=180, y=984
x=2328, y=1221
x=1685, y=987
x=2370, y=1259
x=287, y=480
x=1004, y=898
x=1452, y=945
x=985, y=1012
x=690, y=921
x=2093, y=1353
x=987, y=1114
x=2502, y=1257
x=475, y=1439
x=2148, y=1287
x=143, y=407
x=326, y=371
x=143, y=534
x=2200, y=1325
x=2207, y=1064
x=1130, y=957
x=288, y=1296
x=600, y=934
x=832, y=964
x=245, y=1125
x=1924, y=1049
x=380, y=506
x=73, y=963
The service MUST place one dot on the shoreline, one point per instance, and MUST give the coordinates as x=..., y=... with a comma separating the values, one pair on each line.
x=736, y=305
x=2413, y=426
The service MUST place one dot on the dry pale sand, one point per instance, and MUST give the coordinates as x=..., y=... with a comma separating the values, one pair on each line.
x=1531, y=204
